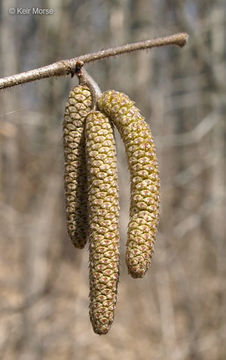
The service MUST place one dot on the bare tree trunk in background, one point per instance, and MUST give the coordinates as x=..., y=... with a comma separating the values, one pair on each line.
x=38, y=245
x=10, y=144
x=217, y=225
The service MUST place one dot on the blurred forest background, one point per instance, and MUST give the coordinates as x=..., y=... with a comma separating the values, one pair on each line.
x=178, y=311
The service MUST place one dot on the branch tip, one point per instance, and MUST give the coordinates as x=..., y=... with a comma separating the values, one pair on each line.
x=183, y=39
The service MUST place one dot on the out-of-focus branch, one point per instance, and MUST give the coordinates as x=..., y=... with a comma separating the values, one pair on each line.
x=190, y=137
x=66, y=67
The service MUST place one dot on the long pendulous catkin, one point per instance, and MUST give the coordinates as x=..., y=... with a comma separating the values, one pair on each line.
x=145, y=183
x=103, y=200
x=75, y=177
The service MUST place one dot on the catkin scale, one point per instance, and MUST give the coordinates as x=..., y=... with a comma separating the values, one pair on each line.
x=103, y=205
x=75, y=178
x=145, y=184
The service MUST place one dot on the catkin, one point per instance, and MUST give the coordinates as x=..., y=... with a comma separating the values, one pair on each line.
x=75, y=177
x=103, y=200
x=141, y=153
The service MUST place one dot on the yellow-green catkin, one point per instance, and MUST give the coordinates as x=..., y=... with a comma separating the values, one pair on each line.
x=75, y=174
x=103, y=200
x=145, y=183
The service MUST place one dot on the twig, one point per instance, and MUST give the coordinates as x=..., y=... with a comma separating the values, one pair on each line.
x=66, y=67
x=85, y=79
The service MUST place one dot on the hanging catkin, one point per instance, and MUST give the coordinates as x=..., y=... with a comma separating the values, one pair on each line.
x=103, y=203
x=75, y=177
x=141, y=153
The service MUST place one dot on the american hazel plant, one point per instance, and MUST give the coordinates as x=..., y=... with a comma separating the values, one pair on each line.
x=75, y=178
x=145, y=183
x=90, y=180
x=91, y=183
x=103, y=200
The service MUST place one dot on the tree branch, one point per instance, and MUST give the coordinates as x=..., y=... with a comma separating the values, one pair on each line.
x=66, y=67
